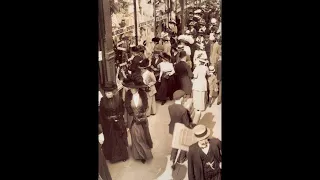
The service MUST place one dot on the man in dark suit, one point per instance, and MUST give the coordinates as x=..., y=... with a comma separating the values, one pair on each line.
x=178, y=114
x=205, y=156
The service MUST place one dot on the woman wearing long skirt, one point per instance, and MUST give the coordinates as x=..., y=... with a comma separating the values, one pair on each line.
x=150, y=80
x=113, y=125
x=166, y=79
x=104, y=173
x=136, y=103
x=200, y=85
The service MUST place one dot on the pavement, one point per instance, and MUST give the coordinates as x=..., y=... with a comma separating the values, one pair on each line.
x=159, y=168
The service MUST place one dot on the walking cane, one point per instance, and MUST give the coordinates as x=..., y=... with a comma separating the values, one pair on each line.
x=176, y=159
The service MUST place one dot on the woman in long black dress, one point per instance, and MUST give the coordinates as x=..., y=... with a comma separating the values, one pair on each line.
x=166, y=78
x=136, y=103
x=113, y=126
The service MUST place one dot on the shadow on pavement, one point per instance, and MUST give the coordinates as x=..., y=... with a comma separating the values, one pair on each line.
x=207, y=120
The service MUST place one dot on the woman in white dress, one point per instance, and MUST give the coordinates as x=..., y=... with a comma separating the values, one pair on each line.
x=199, y=86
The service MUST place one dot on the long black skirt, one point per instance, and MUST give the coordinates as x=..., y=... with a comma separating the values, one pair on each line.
x=166, y=89
x=115, y=142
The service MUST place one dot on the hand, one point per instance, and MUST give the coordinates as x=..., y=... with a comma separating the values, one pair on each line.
x=159, y=80
x=220, y=165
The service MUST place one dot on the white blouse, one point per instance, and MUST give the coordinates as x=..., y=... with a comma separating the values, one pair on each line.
x=136, y=98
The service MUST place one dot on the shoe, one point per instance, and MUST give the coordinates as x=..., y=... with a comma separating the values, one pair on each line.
x=163, y=102
x=218, y=103
x=143, y=161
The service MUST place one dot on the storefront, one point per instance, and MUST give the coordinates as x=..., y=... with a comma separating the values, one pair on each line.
x=150, y=16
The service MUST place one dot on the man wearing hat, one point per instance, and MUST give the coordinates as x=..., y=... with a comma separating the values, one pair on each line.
x=204, y=157
x=178, y=114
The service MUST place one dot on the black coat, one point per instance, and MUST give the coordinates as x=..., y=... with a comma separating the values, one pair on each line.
x=195, y=168
x=178, y=114
x=184, y=75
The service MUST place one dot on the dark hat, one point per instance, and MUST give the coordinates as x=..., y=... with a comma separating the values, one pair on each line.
x=178, y=94
x=125, y=38
x=134, y=82
x=155, y=39
x=182, y=54
x=135, y=49
x=110, y=86
x=165, y=56
x=200, y=33
x=144, y=63
x=141, y=48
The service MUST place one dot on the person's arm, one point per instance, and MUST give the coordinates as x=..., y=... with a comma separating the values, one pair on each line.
x=190, y=74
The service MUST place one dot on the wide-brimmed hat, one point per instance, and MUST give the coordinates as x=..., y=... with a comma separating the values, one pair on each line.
x=135, y=49
x=155, y=39
x=198, y=11
x=110, y=86
x=201, y=132
x=144, y=63
x=135, y=82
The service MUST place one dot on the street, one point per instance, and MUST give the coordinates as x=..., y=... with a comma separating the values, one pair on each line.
x=159, y=168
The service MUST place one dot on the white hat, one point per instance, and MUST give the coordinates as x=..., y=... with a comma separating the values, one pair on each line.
x=201, y=132
x=198, y=11
x=211, y=68
x=213, y=21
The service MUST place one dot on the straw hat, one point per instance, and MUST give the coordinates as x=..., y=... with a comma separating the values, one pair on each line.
x=201, y=132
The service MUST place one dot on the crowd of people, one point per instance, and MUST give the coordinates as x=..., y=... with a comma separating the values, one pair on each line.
x=183, y=66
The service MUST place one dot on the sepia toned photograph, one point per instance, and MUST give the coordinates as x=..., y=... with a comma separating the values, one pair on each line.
x=160, y=90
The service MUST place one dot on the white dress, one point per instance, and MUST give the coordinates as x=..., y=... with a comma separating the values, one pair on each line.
x=199, y=87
